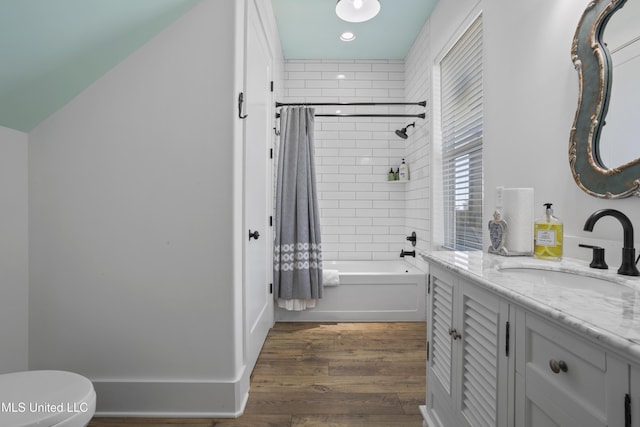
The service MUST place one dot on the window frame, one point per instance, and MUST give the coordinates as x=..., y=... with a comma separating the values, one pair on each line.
x=459, y=229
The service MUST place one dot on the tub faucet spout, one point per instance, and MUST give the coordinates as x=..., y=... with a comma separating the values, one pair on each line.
x=628, y=267
x=404, y=253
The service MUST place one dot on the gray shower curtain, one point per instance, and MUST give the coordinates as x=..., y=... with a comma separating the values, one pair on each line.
x=297, y=247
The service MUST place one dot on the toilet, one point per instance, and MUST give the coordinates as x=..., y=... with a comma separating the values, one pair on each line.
x=46, y=399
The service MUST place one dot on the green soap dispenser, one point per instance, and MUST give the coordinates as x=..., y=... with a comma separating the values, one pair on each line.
x=547, y=236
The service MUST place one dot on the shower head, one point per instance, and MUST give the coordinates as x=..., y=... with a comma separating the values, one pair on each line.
x=402, y=133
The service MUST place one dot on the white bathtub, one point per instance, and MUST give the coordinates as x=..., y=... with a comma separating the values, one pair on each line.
x=369, y=291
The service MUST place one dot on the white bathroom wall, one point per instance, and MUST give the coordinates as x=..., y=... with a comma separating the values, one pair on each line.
x=361, y=214
x=531, y=92
x=530, y=97
x=133, y=199
x=14, y=270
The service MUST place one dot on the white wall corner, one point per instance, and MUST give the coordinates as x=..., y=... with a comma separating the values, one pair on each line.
x=14, y=250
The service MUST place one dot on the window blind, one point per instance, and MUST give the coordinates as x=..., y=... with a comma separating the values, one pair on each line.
x=461, y=123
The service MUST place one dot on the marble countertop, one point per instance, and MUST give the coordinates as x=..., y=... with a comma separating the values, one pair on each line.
x=607, y=311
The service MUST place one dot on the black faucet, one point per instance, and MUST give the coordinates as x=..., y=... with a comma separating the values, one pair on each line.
x=404, y=253
x=628, y=267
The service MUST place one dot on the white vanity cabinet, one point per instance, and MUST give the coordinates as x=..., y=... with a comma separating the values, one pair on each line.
x=563, y=380
x=468, y=367
x=510, y=352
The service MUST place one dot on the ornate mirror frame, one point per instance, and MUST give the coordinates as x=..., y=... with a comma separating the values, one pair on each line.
x=592, y=61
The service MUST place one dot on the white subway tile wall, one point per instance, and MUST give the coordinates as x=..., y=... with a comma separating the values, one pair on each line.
x=419, y=152
x=363, y=216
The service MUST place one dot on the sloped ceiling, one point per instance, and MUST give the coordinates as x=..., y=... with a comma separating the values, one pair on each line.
x=51, y=50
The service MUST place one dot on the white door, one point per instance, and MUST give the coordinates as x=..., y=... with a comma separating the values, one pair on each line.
x=258, y=300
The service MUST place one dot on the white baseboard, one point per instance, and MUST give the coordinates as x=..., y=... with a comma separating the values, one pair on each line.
x=183, y=399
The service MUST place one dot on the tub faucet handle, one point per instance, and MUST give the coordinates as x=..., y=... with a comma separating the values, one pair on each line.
x=404, y=253
x=412, y=238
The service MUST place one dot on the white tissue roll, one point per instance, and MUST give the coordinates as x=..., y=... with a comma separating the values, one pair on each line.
x=517, y=207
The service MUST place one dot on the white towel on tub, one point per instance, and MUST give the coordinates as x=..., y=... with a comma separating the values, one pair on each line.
x=296, y=304
x=330, y=277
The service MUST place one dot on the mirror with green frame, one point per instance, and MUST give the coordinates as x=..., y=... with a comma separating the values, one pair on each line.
x=604, y=150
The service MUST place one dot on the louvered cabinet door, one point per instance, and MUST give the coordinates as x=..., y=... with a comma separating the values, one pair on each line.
x=482, y=357
x=440, y=368
x=468, y=376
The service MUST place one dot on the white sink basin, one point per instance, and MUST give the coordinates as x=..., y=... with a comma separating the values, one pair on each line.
x=561, y=278
x=562, y=288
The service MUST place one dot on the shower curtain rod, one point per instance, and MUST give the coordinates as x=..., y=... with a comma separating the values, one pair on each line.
x=419, y=116
x=319, y=104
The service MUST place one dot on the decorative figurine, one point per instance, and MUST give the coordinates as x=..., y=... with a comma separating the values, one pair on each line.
x=498, y=234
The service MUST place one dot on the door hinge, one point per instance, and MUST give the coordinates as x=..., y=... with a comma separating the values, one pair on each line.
x=627, y=410
x=429, y=284
x=271, y=288
x=507, y=340
x=427, y=351
x=270, y=221
x=271, y=153
x=271, y=86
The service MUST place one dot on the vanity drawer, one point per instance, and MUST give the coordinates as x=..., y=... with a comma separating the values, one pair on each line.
x=565, y=376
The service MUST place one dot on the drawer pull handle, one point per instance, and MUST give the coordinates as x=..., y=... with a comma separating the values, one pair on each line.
x=454, y=334
x=558, y=365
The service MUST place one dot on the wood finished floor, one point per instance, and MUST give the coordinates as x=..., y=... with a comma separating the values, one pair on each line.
x=329, y=375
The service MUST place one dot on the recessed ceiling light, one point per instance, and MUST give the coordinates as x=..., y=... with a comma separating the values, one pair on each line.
x=341, y=77
x=357, y=10
x=347, y=36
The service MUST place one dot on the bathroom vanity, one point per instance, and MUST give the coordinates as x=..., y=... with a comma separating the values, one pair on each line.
x=530, y=343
